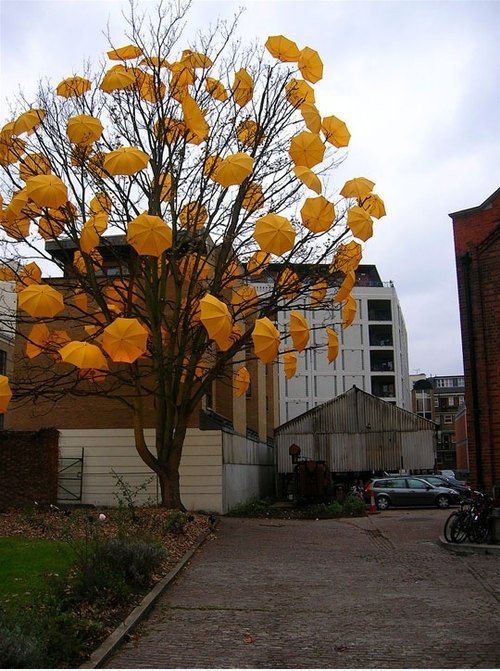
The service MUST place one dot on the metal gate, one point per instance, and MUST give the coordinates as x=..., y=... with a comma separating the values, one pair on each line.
x=69, y=484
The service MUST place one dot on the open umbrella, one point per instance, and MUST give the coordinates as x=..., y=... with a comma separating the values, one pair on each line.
x=15, y=227
x=79, y=260
x=101, y=203
x=165, y=183
x=288, y=284
x=290, y=364
x=125, y=53
x=50, y=227
x=30, y=274
x=317, y=214
x=32, y=165
x=215, y=317
x=231, y=275
x=196, y=59
x=299, y=330
x=274, y=234
x=5, y=393
x=266, y=340
x=116, y=78
x=318, y=292
x=125, y=340
x=84, y=129
x=234, y=169
x=150, y=88
x=216, y=89
x=248, y=132
x=89, y=239
x=11, y=150
x=310, y=65
x=194, y=264
x=258, y=262
x=335, y=131
x=282, y=48
x=348, y=257
x=40, y=300
x=244, y=299
x=242, y=87
x=83, y=355
x=298, y=93
x=37, y=339
x=149, y=235
x=360, y=223
x=345, y=288
x=253, y=198
x=358, y=187
x=28, y=121
x=307, y=149
x=125, y=161
x=73, y=86
x=193, y=215
x=333, y=344
x=311, y=116
x=18, y=203
x=80, y=300
x=348, y=312
x=183, y=74
x=241, y=381
x=47, y=191
x=374, y=205
x=195, y=121
x=154, y=62
x=308, y=177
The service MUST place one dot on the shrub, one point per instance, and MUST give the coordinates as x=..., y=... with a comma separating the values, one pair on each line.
x=176, y=522
x=353, y=505
x=132, y=559
x=21, y=646
x=252, y=508
x=335, y=508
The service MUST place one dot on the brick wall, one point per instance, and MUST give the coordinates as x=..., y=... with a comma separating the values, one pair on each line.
x=28, y=467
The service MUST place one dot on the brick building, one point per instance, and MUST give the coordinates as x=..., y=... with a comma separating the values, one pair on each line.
x=477, y=252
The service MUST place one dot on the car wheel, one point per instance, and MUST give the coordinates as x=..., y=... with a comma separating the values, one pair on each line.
x=383, y=503
x=443, y=501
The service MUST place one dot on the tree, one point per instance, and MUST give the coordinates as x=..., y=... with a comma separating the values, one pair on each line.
x=160, y=187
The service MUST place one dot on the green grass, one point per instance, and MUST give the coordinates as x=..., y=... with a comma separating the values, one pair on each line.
x=25, y=564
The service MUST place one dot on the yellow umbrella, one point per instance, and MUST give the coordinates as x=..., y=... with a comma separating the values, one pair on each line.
x=347, y=258
x=211, y=166
x=15, y=227
x=317, y=214
x=165, y=183
x=244, y=299
x=117, y=78
x=308, y=177
x=125, y=53
x=254, y=197
x=30, y=274
x=194, y=264
x=79, y=260
x=5, y=393
x=232, y=274
x=196, y=59
x=248, y=132
x=274, y=234
x=125, y=340
x=149, y=235
x=89, y=239
x=183, y=74
x=310, y=65
x=288, y=284
x=241, y=381
x=73, y=86
x=125, y=161
x=37, y=339
x=258, y=262
x=282, y=48
x=193, y=215
x=234, y=169
x=215, y=317
x=18, y=203
x=318, y=292
x=360, y=223
x=11, y=151
x=311, y=116
x=155, y=62
x=80, y=300
x=101, y=202
x=51, y=226
x=359, y=187
x=307, y=149
x=83, y=355
x=298, y=93
x=32, y=165
x=348, y=312
x=28, y=121
x=266, y=340
x=7, y=274
x=195, y=121
x=374, y=205
x=84, y=129
x=216, y=89
x=335, y=131
x=96, y=163
x=299, y=330
x=242, y=87
x=47, y=191
x=150, y=88
x=290, y=364
x=346, y=286
x=40, y=300
x=333, y=344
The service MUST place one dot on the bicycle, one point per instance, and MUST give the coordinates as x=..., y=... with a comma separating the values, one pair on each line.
x=455, y=518
x=472, y=522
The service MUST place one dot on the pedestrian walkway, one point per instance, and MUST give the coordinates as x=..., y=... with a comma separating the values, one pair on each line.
x=366, y=592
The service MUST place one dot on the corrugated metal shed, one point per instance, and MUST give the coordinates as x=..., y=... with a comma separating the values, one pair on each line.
x=358, y=432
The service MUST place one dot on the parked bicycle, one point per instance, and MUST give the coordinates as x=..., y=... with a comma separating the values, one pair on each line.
x=471, y=522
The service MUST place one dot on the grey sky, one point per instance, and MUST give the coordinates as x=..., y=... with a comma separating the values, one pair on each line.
x=418, y=84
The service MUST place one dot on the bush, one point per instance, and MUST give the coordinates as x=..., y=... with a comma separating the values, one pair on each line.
x=21, y=646
x=335, y=509
x=176, y=522
x=353, y=505
x=252, y=508
x=132, y=559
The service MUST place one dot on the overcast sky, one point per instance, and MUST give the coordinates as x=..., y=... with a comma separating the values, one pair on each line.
x=417, y=82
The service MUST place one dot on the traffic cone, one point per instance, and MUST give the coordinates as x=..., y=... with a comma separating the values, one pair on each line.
x=373, y=507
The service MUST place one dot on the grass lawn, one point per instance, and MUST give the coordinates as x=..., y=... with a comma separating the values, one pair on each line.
x=24, y=565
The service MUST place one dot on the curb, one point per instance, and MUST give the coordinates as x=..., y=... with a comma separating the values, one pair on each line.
x=111, y=643
x=469, y=548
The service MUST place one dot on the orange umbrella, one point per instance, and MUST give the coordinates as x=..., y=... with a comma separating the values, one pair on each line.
x=231, y=275
x=32, y=165
x=150, y=88
x=194, y=120
x=360, y=223
x=266, y=340
x=242, y=87
x=299, y=330
x=282, y=48
x=125, y=161
x=89, y=239
x=98, y=222
x=241, y=381
x=307, y=149
x=125, y=340
x=11, y=150
x=40, y=300
x=307, y=177
x=125, y=53
x=196, y=59
x=258, y=262
x=347, y=258
x=359, y=187
x=317, y=214
x=7, y=274
x=183, y=74
x=288, y=283
x=79, y=260
x=117, y=78
x=248, y=131
x=215, y=317
x=155, y=62
x=73, y=86
x=335, y=131
x=244, y=299
x=310, y=65
x=47, y=191
x=18, y=203
x=374, y=205
x=194, y=214
x=165, y=183
x=274, y=234
x=194, y=264
x=216, y=89
x=30, y=274
x=5, y=393
x=254, y=197
x=333, y=344
x=28, y=121
x=346, y=286
x=298, y=93
x=83, y=355
x=101, y=203
x=311, y=116
x=15, y=227
x=290, y=364
x=348, y=312
x=80, y=300
x=37, y=339
x=84, y=129
x=318, y=292
x=149, y=235
x=234, y=169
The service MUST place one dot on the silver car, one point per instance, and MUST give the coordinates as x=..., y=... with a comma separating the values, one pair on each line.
x=408, y=491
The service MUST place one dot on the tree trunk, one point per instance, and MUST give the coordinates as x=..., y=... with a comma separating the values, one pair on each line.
x=170, y=490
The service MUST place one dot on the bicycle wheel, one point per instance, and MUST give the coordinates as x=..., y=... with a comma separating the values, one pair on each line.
x=447, y=526
x=459, y=529
x=480, y=531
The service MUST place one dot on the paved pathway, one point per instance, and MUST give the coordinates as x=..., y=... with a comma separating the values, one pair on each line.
x=359, y=593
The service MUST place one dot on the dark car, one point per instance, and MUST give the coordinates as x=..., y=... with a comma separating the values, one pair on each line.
x=408, y=491
x=443, y=481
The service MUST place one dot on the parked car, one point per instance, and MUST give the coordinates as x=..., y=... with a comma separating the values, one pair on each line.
x=408, y=491
x=442, y=481
x=447, y=473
